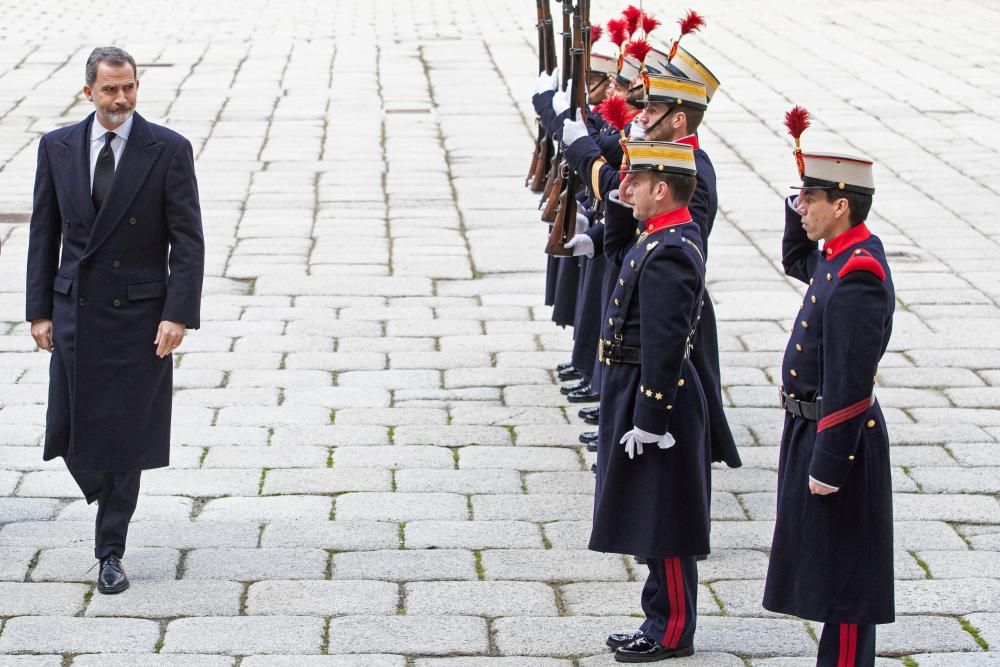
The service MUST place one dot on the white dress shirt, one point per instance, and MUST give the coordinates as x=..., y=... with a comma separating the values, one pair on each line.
x=97, y=132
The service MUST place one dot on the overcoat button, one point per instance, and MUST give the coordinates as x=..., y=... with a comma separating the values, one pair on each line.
x=850, y=458
x=871, y=423
x=116, y=264
x=83, y=262
x=116, y=303
x=82, y=301
x=680, y=383
x=131, y=221
x=793, y=373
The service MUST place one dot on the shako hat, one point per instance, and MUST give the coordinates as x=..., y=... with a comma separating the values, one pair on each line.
x=658, y=156
x=827, y=171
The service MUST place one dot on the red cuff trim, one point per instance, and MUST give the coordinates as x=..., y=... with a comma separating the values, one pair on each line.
x=843, y=415
x=862, y=262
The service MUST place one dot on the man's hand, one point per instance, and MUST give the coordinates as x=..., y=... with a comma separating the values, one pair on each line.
x=581, y=244
x=168, y=337
x=818, y=489
x=625, y=190
x=560, y=101
x=545, y=83
x=41, y=331
x=574, y=130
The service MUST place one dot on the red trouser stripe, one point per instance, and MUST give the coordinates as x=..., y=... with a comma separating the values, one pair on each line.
x=848, y=645
x=852, y=654
x=675, y=590
x=842, y=654
x=844, y=414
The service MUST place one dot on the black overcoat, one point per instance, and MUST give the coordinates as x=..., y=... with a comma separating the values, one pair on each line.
x=657, y=504
x=121, y=271
x=831, y=556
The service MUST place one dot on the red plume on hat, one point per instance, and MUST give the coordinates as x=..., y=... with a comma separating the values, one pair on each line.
x=638, y=49
x=633, y=15
x=595, y=33
x=617, y=31
x=693, y=22
x=797, y=121
x=649, y=24
x=616, y=111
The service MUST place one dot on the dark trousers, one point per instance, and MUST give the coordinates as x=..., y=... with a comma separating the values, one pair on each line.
x=669, y=600
x=846, y=645
x=116, y=494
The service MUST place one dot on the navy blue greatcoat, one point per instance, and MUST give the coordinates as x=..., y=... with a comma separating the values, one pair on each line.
x=831, y=557
x=657, y=504
x=120, y=271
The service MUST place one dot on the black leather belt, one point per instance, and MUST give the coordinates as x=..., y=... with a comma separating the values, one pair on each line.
x=609, y=353
x=797, y=408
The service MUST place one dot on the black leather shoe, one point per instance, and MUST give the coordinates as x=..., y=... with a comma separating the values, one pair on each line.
x=593, y=468
x=588, y=437
x=701, y=557
x=568, y=389
x=640, y=560
x=563, y=366
x=571, y=374
x=583, y=395
x=622, y=638
x=111, y=579
x=644, y=649
x=592, y=412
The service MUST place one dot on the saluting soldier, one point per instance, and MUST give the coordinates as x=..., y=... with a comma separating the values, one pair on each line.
x=115, y=268
x=831, y=557
x=651, y=498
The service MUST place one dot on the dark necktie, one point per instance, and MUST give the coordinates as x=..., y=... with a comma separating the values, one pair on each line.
x=104, y=172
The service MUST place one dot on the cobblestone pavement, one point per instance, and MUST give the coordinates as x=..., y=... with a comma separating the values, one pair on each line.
x=371, y=455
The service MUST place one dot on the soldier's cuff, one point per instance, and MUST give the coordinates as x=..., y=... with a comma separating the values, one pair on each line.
x=828, y=469
x=652, y=415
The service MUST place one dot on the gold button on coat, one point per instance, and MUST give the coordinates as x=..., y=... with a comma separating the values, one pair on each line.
x=871, y=423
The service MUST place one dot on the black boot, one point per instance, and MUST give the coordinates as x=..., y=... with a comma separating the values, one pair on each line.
x=111, y=579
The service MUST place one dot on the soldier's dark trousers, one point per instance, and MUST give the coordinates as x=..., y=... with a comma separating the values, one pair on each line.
x=670, y=599
x=846, y=645
x=116, y=494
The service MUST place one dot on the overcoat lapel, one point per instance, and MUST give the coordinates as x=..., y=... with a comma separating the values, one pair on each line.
x=140, y=154
x=74, y=152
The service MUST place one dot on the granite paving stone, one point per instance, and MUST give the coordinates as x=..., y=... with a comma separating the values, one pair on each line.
x=321, y=598
x=246, y=635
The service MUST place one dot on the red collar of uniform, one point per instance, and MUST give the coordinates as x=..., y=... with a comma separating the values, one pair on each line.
x=839, y=244
x=678, y=216
x=691, y=140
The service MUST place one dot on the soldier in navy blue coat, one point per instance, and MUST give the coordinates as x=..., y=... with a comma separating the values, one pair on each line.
x=114, y=275
x=672, y=111
x=653, y=453
x=832, y=556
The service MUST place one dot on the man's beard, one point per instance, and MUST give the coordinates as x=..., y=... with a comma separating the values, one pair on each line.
x=115, y=117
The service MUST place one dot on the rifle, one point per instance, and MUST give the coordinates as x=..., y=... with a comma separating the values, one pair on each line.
x=542, y=154
x=565, y=221
x=550, y=196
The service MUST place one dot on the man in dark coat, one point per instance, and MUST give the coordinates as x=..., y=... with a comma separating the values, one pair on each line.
x=651, y=495
x=831, y=557
x=118, y=195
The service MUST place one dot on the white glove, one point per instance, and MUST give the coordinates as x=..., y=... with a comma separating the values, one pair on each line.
x=545, y=83
x=573, y=129
x=636, y=438
x=636, y=131
x=581, y=244
x=560, y=101
x=582, y=223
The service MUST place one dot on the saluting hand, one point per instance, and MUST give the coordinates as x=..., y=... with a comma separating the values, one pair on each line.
x=41, y=331
x=625, y=190
x=168, y=337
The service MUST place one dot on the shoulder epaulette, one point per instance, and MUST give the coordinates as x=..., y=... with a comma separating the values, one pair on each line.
x=862, y=260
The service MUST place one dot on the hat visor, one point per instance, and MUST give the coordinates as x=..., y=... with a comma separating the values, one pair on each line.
x=665, y=170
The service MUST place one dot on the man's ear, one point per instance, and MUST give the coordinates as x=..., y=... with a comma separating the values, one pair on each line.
x=841, y=208
x=662, y=191
x=680, y=120
x=88, y=92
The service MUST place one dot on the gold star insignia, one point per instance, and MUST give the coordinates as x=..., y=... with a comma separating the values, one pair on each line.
x=649, y=393
x=659, y=396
